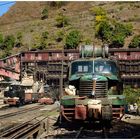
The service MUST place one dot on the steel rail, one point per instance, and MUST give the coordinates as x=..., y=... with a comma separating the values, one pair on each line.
x=79, y=132
x=104, y=133
x=29, y=128
x=26, y=129
x=19, y=112
x=136, y=137
x=17, y=127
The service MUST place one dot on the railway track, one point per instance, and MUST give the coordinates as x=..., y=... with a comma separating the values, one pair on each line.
x=20, y=111
x=84, y=132
x=28, y=129
x=77, y=131
x=119, y=129
x=31, y=129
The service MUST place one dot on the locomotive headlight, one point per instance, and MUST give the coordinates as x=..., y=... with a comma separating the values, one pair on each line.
x=114, y=90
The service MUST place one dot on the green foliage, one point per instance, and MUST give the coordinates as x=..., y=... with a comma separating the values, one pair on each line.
x=103, y=28
x=73, y=39
x=120, y=32
x=9, y=41
x=124, y=29
x=131, y=94
x=43, y=44
x=87, y=41
x=59, y=36
x=45, y=35
x=19, y=36
x=40, y=41
x=1, y=38
x=7, y=52
x=44, y=13
x=62, y=20
x=43, y=40
x=104, y=31
x=117, y=40
x=135, y=42
x=113, y=33
x=18, y=40
x=98, y=11
x=36, y=41
x=1, y=41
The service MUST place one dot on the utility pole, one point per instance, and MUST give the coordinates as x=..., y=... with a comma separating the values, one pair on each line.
x=62, y=61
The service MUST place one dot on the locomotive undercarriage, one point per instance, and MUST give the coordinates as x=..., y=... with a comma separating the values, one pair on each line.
x=86, y=113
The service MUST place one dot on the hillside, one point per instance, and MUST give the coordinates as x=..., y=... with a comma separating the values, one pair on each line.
x=25, y=17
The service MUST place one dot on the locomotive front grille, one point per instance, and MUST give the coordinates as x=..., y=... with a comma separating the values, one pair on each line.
x=86, y=88
x=101, y=89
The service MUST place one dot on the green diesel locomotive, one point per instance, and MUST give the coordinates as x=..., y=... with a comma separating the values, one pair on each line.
x=94, y=90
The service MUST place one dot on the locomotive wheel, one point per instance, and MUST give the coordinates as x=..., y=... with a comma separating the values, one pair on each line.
x=19, y=104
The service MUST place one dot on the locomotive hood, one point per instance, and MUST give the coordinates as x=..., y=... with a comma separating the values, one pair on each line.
x=90, y=77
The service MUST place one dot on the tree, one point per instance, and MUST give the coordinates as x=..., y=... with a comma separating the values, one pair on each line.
x=43, y=40
x=9, y=41
x=59, y=36
x=103, y=28
x=103, y=31
x=131, y=94
x=19, y=36
x=113, y=33
x=73, y=39
x=123, y=29
x=44, y=13
x=1, y=41
x=120, y=32
x=18, y=40
x=117, y=41
x=1, y=38
x=40, y=40
x=61, y=20
x=135, y=42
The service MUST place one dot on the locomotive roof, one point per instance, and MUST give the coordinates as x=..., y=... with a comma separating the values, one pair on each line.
x=93, y=59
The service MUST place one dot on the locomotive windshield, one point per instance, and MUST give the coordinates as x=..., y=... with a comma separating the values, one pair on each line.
x=82, y=67
x=102, y=66
x=96, y=67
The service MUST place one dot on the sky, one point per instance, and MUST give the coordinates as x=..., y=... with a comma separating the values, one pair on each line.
x=5, y=5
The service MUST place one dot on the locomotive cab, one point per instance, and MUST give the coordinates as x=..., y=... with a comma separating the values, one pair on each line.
x=93, y=70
